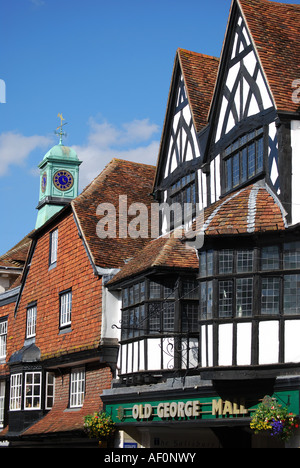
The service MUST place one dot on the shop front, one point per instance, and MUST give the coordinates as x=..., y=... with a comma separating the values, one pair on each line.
x=195, y=417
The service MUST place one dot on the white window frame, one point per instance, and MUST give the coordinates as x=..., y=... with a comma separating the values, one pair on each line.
x=53, y=246
x=15, y=400
x=3, y=339
x=65, y=309
x=33, y=391
x=2, y=401
x=77, y=387
x=48, y=386
x=31, y=321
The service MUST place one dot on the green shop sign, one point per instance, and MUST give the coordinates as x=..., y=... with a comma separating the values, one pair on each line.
x=193, y=409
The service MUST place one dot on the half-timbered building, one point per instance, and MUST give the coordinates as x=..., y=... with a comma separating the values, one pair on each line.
x=190, y=375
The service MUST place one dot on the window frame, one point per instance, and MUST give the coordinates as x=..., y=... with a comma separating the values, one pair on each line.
x=53, y=247
x=275, y=274
x=161, y=304
x=234, y=157
x=31, y=320
x=65, y=309
x=15, y=393
x=3, y=338
x=77, y=387
x=32, y=386
x=47, y=386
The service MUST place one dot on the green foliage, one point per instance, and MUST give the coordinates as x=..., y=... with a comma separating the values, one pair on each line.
x=99, y=425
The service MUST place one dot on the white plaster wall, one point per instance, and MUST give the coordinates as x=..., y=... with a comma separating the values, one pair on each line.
x=225, y=344
x=244, y=331
x=269, y=342
x=154, y=353
x=111, y=314
x=295, y=143
x=291, y=341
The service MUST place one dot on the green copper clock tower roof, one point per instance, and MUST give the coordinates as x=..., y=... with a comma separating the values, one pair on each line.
x=59, y=179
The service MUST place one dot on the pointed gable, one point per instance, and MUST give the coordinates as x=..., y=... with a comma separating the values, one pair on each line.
x=275, y=29
x=242, y=90
x=190, y=95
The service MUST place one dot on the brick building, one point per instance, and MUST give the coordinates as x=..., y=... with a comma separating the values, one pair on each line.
x=58, y=347
x=181, y=333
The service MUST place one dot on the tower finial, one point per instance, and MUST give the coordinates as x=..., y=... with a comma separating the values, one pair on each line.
x=60, y=133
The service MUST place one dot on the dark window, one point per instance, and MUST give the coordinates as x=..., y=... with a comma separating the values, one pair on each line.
x=243, y=159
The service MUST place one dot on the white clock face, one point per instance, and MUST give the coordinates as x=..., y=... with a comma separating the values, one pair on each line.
x=63, y=180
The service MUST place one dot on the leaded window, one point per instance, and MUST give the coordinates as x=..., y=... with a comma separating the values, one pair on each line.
x=243, y=159
x=149, y=307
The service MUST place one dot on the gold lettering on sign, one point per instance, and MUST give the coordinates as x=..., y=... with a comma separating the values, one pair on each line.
x=224, y=408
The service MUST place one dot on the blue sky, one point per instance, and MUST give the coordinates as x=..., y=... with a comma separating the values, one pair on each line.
x=106, y=65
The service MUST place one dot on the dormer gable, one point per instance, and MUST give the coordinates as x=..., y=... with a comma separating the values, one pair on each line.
x=189, y=99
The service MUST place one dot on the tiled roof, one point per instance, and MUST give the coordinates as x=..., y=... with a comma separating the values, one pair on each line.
x=164, y=252
x=251, y=209
x=200, y=73
x=16, y=256
x=119, y=178
x=275, y=29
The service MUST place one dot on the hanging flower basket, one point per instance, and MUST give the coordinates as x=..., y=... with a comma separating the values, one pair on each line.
x=274, y=419
x=99, y=426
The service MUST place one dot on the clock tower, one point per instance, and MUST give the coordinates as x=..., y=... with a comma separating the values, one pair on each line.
x=59, y=177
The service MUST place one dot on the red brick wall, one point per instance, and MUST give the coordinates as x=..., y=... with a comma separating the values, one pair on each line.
x=61, y=418
x=73, y=270
x=7, y=311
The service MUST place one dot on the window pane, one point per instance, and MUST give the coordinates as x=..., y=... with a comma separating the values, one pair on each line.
x=225, y=298
x=65, y=308
x=189, y=289
x=77, y=388
x=291, y=301
x=168, y=316
x=244, y=261
x=251, y=160
x=31, y=322
x=291, y=255
x=32, y=390
x=15, y=392
x=244, y=294
x=270, y=258
x=228, y=174
x=189, y=318
x=270, y=296
x=244, y=164
x=154, y=317
x=154, y=290
x=225, y=261
x=260, y=154
x=236, y=170
x=53, y=246
x=3, y=339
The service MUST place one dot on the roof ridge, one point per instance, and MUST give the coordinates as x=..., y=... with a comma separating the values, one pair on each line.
x=199, y=54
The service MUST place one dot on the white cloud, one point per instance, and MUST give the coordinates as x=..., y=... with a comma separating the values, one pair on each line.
x=133, y=141
x=15, y=148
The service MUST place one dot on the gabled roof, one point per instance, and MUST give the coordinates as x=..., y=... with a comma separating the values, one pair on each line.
x=166, y=252
x=199, y=73
x=119, y=178
x=275, y=30
x=16, y=256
